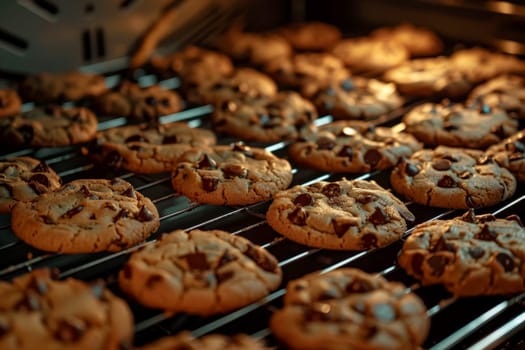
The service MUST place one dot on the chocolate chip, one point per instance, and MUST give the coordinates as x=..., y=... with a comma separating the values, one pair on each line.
x=476, y=252
x=169, y=139
x=411, y=169
x=4, y=328
x=207, y=162
x=486, y=234
x=47, y=220
x=209, y=183
x=347, y=152
x=378, y=217
x=325, y=143
x=340, y=228
x=234, y=170
x=41, y=168
x=123, y=213
x=39, y=183
x=114, y=159
x=261, y=259
x=506, y=261
x=224, y=276
x=417, y=263
x=331, y=190
x=74, y=211
x=70, y=330
x=443, y=245
x=297, y=217
x=359, y=286
x=136, y=138
x=130, y=192
x=441, y=164
x=145, y=215
x=303, y=200
x=226, y=258
x=27, y=133
x=372, y=157
x=196, y=261
x=384, y=312
x=368, y=241
x=152, y=101
x=437, y=263
x=446, y=182
x=87, y=193
x=153, y=280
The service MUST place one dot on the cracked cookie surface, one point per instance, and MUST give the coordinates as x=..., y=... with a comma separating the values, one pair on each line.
x=230, y=175
x=351, y=147
x=200, y=272
x=458, y=126
x=61, y=87
x=449, y=177
x=470, y=254
x=50, y=127
x=343, y=215
x=22, y=179
x=40, y=312
x=266, y=119
x=510, y=154
x=349, y=309
x=146, y=148
x=86, y=216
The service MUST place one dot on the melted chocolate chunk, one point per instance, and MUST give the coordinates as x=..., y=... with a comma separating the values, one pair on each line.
x=145, y=215
x=297, y=217
x=209, y=183
x=41, y=168
x=446, y=182
x=136, y=138
x=417, y=263
x=130, y=192
x=74, y=211
x=486, y=234
x=39, y=183
x=411, y=169
x=506, y=261
x=325, y=143
x=438, y=263
x=346, y=152
x=303, y=200
x=207, y=162
x=384, y=312
x=476, y=252
x=340, y=228
x=234, y=170
x=70, y=331
x=378, y=217
x=372, y=157
x=261, y=259
x=331, y=190
x=443, y=245
x=170, y=139
x=196, y=261
x=123, y=213
x=368, y=241
x=441, y=164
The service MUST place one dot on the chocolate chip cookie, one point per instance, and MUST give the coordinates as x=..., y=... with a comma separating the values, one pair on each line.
x=429, y=77
x=24, y=178
x=351, y=147
x=510, y=154
x=307, y=72
x=506, y=92
x=449, y=177
x=86, y=216
x=193, y=64
x=200, y=272
x=349, y=309
x=417, y=40
x=184, y=340
x=230, y=175
x=243, y=84
x=53, y=126
x=40, y=312
x=343, y=215
x=470, y=255
x=369, y=54
x=61, y=87
x=456, y=125
x=10, y=103
x=146, y=148
x=265, y=119
x=311, y=36
x=139, y=103
x=358, y=98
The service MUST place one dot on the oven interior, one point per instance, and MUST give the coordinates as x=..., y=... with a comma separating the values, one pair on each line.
x=457, y=323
